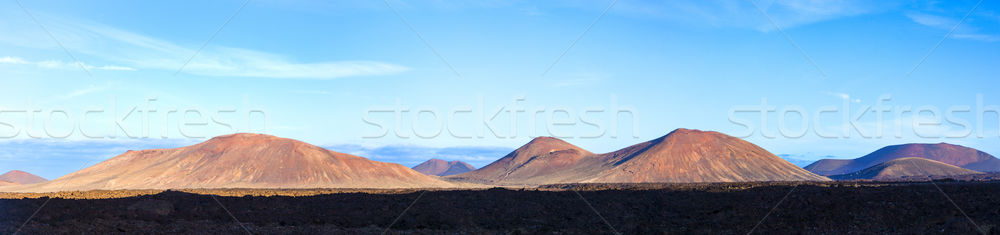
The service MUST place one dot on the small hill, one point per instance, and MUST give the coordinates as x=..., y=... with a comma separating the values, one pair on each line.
x=542, y=160
x=21, y=177
x=240, y=161
x=906, y=167
x=956, y=155
x=827, y=166
x=440, y=167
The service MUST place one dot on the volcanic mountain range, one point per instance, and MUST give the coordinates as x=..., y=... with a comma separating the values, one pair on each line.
x=906, y=167
x=682, y=156
x=956, y=155
x=264, y=161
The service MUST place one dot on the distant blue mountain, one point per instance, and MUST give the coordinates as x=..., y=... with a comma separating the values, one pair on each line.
x=409, y=155
x=802, y=160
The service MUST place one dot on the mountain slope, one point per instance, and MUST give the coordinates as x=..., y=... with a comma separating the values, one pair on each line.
x=681, y=156
x=906, y=167
x=699, y=156
x=240, y=161
x=440, y=167
x=956, y=155
x=21, y=177
x=543, y=160
x=827, y=166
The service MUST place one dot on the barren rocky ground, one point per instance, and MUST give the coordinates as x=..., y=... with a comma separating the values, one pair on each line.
x=729, y=208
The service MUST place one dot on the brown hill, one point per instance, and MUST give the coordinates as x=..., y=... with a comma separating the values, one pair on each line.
x=827, y=166
x=440, y=167
x=240, y=161
x=906, y=167
x=956, y=155
x=543, y=160
x=21, y=177
x=700, y=156
x=681, y=156
x=7, y=183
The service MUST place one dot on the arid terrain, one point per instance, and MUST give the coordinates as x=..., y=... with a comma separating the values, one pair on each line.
x=688, y=181
x=814, y=207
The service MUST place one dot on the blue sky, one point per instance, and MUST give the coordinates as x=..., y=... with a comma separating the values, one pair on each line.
x=327, y=72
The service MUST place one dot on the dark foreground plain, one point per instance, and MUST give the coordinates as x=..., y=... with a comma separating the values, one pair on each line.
x=727, y=208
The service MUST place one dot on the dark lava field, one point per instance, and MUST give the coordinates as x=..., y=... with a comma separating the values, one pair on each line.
x=722, y=208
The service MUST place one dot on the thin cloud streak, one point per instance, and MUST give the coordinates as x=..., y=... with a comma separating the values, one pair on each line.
x=137, y=51
x=737, y=14
x=61, y=65
x=962, y=31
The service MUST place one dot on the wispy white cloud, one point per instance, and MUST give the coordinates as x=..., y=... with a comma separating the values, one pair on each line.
x=713, y=13
x=61, y=98
x=932, y=20
x=62, y=65
x=13, y=60
x=248, y=63
x=795, y=13
x=87, y=90
x=977, y=37
x=741, y=14
x=964, y=31
x=115, y=68
x=137, y=51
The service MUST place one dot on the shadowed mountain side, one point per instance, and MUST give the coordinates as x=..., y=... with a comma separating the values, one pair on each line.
x=440, y=167
x=827, y=165
x=906, y=167
x=239, y=161
x=956, y=155
x=21, y=177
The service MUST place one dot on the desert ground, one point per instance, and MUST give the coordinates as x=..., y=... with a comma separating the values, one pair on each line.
x=727, y=208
